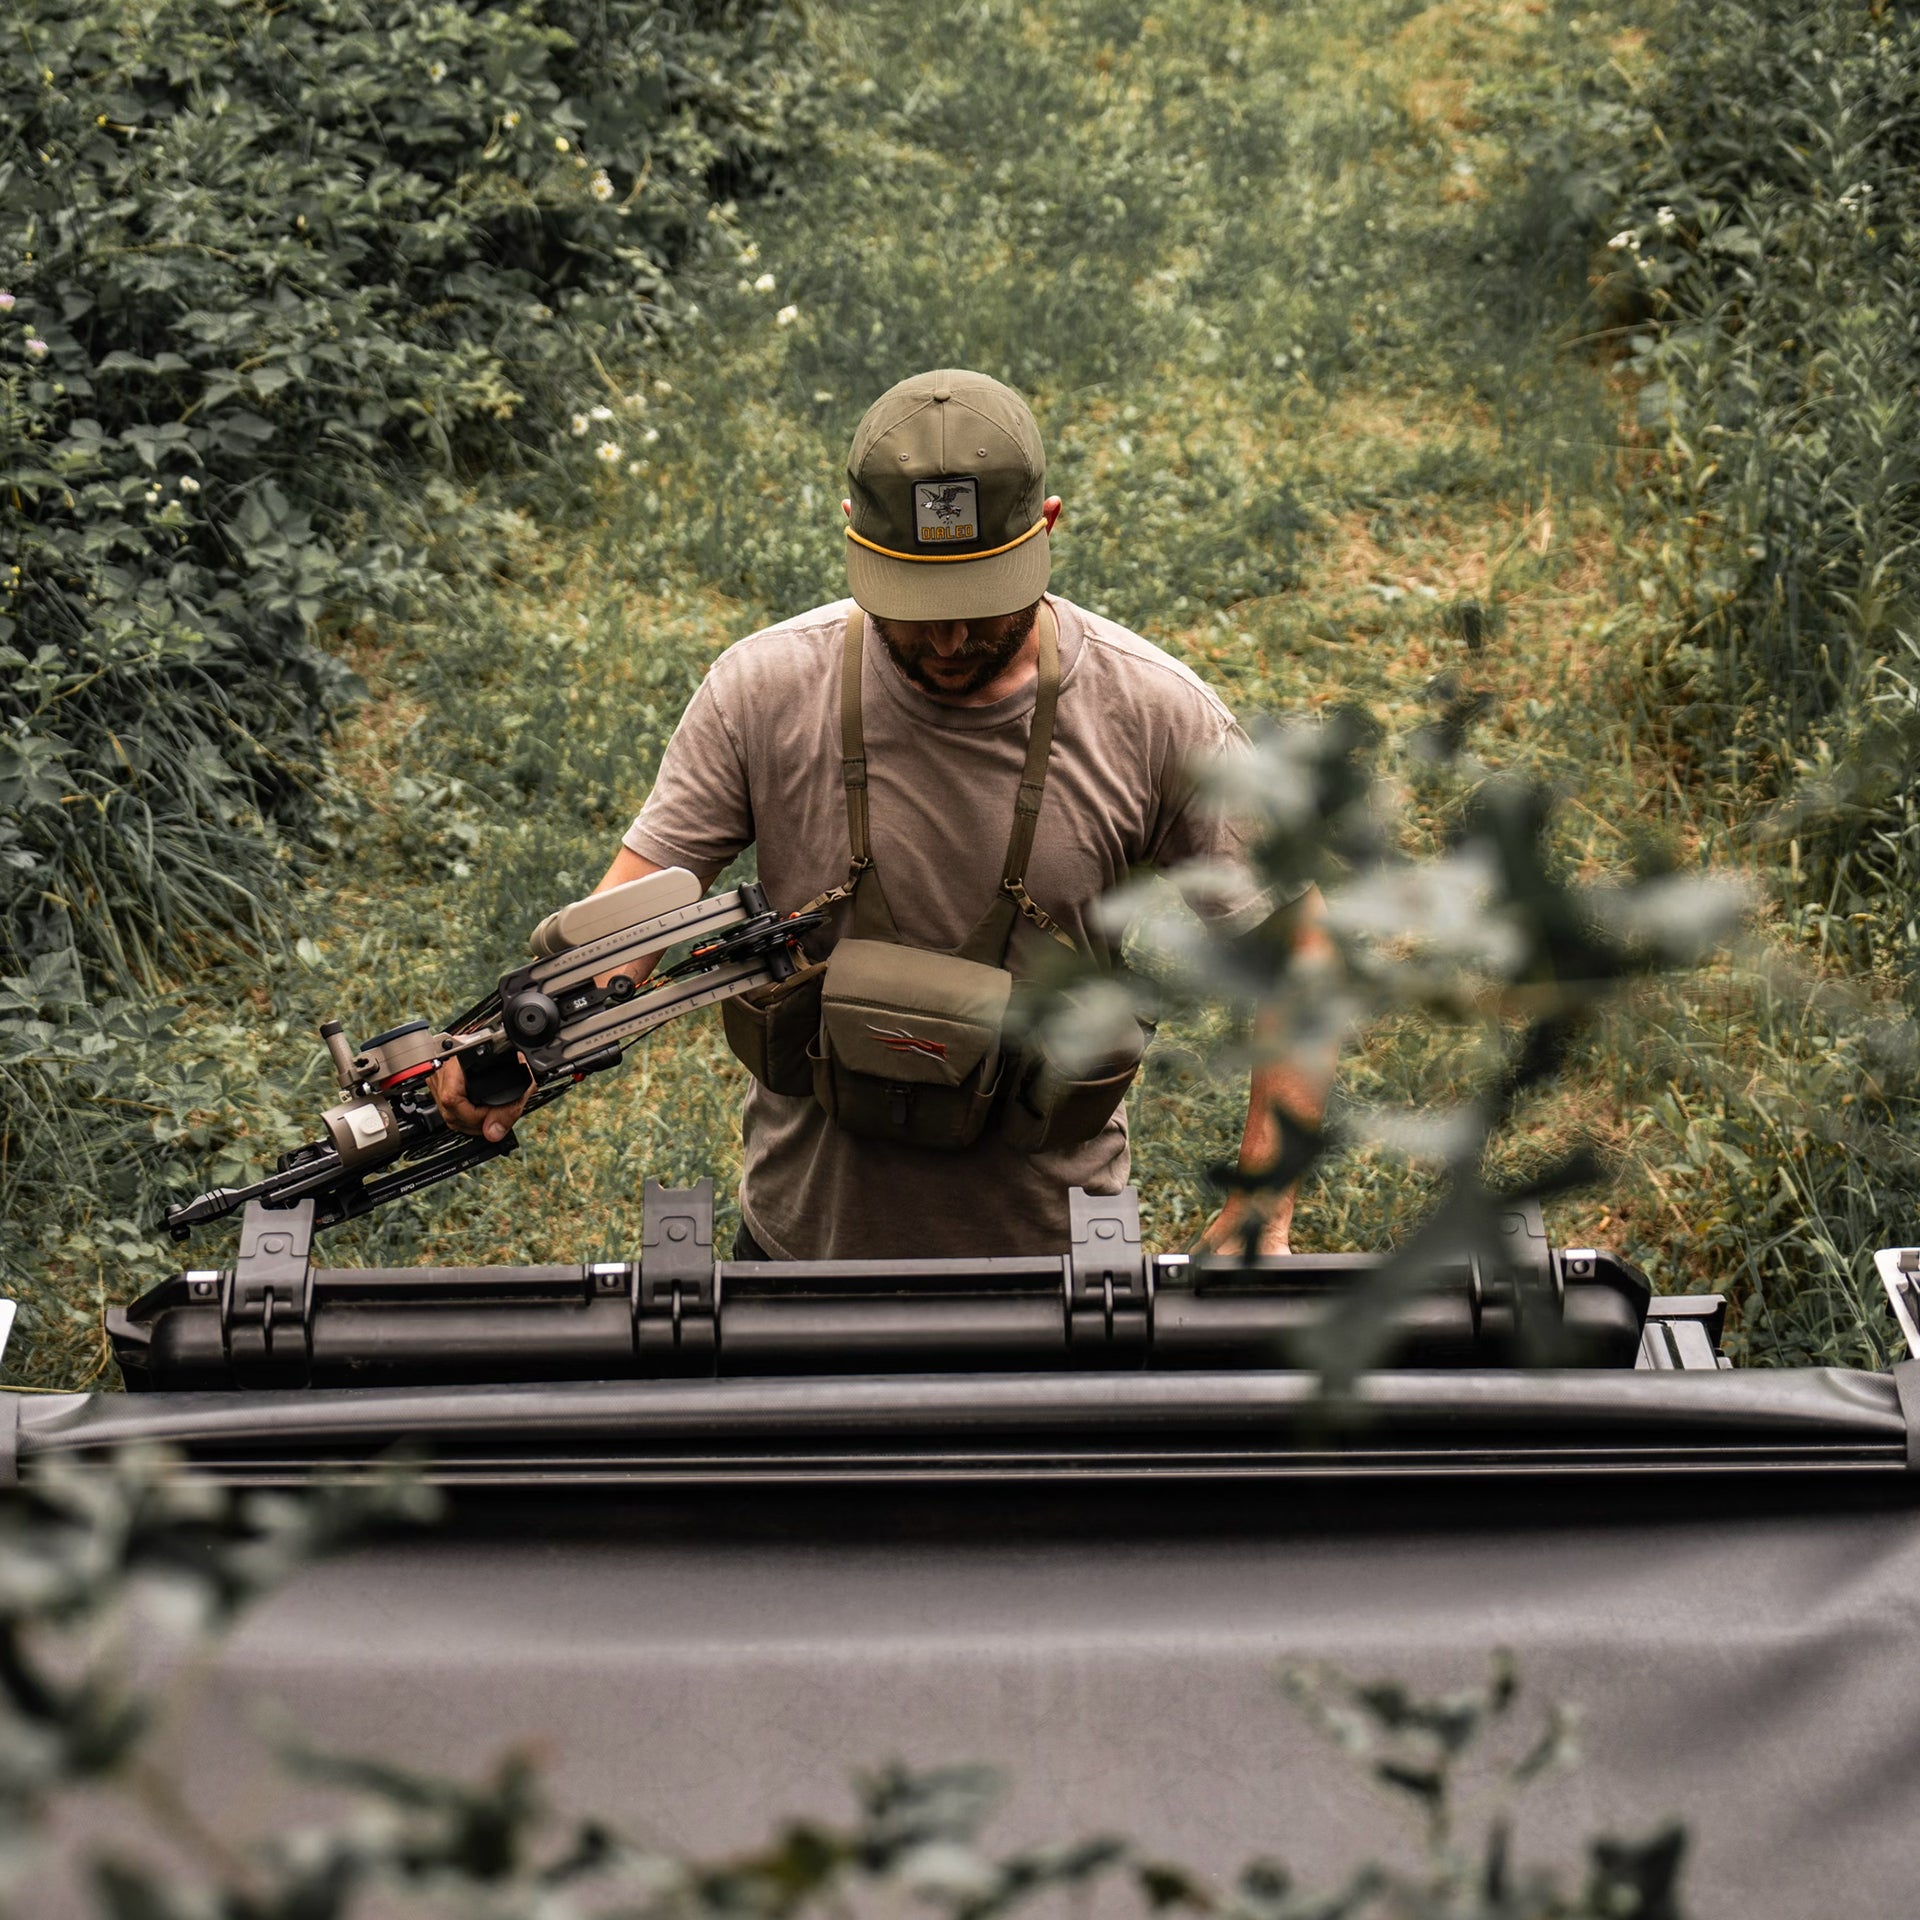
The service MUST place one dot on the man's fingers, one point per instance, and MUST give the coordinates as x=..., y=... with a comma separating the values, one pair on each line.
x=1221, y=1231
x=499, y=1121
x=1226, y=1232
x=450, y=1096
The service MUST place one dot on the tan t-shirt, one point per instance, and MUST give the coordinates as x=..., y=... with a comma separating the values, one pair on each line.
x=756, y=757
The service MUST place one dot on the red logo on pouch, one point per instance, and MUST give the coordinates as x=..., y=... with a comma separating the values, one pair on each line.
x=898, y=1040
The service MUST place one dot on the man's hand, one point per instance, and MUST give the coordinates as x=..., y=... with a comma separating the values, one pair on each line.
x=449, y=1084
x=1299, y=1092
x=1225, y=1232
x=449, y=1080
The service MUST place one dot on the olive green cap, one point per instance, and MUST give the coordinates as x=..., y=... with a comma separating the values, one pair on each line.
x=947, y=476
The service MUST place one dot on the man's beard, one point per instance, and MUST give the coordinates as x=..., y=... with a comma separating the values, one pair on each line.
x=985, y=654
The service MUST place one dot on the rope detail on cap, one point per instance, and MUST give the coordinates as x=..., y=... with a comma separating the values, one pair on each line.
x=872, y=546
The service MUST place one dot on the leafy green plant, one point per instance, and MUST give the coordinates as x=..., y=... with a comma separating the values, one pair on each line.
x=94, y=1561
x=251, y=259
x=492, y=1847
x=257, y=267
x=1418, y=1747
x=1487, y=935
x=1754, y=184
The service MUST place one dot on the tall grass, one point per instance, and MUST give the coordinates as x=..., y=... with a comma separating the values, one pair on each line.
x=1771, y=230
x=1761, y=269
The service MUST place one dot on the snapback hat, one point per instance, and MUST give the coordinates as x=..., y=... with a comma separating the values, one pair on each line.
x=947, y=477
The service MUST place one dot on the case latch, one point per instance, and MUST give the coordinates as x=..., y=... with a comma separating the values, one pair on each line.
x=267, y=1314
x=1109, y=1297
x=676, y=1326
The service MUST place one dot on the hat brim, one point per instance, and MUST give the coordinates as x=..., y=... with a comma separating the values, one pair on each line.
x=981, y=589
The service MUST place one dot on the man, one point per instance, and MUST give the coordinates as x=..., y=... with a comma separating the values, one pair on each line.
x=948, y=556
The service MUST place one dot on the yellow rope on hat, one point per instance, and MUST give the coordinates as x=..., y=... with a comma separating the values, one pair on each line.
x=1039, y=526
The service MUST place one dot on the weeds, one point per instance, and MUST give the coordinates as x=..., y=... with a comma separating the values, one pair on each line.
x=1760, y=272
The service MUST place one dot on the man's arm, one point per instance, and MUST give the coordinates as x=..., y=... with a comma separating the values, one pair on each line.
x=628, y=865
x=1299, y=1092
x=449, y=1081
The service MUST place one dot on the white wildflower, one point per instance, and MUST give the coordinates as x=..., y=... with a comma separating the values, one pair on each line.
x=1626, y=237
x=188, y=484
x=1665, y=219
x=821, y=396
x=750, y=253
x=663, y=388
x=437, y=72
x=607, y=451
x=764, y=284
x=560, y=143
x=599, y=413
x=580, y=425
x=634, y=402
x=38, y=349
x=650, y=436
x=635, y=468
x=510, y=119
x=6, y=303
x=601, y=185
x=786, y=316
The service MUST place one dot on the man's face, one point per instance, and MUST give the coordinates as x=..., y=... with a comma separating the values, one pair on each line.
x=953, y=659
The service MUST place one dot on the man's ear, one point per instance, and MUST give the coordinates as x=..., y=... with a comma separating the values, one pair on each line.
x=846, y=507
x=1050, y=510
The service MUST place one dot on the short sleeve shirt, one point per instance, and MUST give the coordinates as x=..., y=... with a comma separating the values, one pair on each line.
x=756, y=758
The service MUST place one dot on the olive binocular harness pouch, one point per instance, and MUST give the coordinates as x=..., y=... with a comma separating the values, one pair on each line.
x=906, y=1043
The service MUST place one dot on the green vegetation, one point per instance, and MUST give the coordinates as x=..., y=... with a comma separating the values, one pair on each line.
x=252, y=256
x=1349, y=401
x=1762, y=260
x=259, y=268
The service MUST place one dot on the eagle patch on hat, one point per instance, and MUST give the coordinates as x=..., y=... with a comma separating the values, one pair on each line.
x=945, y=510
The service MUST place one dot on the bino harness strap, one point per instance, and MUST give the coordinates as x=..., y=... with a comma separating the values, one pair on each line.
x=904, y=1043
x=872, y=917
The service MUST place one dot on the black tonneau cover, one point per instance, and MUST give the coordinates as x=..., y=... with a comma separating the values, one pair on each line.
x=709, y=1604
x=992, y=1429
